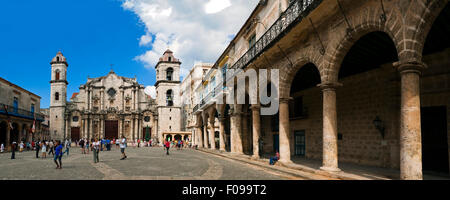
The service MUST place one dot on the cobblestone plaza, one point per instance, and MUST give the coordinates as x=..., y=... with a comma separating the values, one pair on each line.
x=147, y=163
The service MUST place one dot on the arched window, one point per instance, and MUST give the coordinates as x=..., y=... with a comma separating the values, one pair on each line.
x=57, y=75
x=169, y=98
x=57, y=96
x=57, y=59
x=169, y=73
x=170, y=59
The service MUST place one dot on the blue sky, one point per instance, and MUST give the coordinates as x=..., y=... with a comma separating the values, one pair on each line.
x=93, y=34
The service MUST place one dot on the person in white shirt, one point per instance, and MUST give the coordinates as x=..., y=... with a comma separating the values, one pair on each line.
x=21, y=146
x=123, y=145
x=96, y=148
x=2, y=148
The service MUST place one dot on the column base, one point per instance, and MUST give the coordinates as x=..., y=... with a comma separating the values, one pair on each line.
x=330, y=169
x=287, y=162
x=255, y=157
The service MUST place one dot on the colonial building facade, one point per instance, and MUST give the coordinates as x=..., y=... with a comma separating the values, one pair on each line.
x=364, y=82
x=22, y=111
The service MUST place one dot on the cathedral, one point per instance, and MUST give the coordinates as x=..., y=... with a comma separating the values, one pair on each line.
x=113, y=106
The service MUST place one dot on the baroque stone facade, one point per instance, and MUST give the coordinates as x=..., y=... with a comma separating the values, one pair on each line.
x=110, y=106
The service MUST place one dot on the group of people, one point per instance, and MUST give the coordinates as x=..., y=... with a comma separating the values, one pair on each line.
x=41, y=147
x=96, y=145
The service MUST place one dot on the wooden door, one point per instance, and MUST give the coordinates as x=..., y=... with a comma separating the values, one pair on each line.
x=111, y=129
x=75, y=133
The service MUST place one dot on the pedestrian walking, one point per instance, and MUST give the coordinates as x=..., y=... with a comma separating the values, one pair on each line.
x=37, y=148
x=67, y=146
x=87, y=146
x=123, y=145
x=167, y=147
x=50, y=148
x=21, y=146
x=13, y=150
x=96, y=145
x=2, y=148
x=82, y=146
x=44, y=149
x=58, y=154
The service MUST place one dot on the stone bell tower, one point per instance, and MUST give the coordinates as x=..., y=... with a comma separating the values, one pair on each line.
x=168, y=94
x=58, y=96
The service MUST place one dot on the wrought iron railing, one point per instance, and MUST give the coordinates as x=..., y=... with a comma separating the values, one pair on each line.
x=294, y=14
x=17, y=112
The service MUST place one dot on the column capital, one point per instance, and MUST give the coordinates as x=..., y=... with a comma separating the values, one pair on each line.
x=410, y=66
x=330, y=85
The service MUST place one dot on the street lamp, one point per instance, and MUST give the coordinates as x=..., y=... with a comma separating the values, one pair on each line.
x=379, y=125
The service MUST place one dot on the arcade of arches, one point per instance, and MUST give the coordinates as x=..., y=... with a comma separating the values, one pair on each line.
x=379, y=96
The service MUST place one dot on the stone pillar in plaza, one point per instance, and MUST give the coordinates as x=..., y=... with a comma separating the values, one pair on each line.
x=410, y=122
x=330, y=151
x=221, y=132
x=256, y=129
x=212, y=137
x=284, y=137
x=236, y=132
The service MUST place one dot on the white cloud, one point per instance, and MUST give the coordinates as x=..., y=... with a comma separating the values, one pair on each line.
x=188, y=28
x=215, y=6
x=151, y=91
x=145, y=40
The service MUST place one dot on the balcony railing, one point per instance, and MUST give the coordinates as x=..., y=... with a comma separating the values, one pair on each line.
x=294, y=14
x=17, y=112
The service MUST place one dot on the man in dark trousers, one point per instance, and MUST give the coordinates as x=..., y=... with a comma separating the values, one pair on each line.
x=37, y=148
x=167, y=147
x=13, y=150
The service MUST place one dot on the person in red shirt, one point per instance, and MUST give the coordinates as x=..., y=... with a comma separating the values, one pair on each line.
x=167, y=143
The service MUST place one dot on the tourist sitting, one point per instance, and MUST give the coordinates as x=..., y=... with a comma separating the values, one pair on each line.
x=275, y=158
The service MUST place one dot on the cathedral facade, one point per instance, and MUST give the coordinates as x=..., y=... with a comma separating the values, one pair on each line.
x=113, y=106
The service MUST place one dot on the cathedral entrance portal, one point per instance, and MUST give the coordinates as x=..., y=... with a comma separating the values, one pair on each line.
x=111, y=129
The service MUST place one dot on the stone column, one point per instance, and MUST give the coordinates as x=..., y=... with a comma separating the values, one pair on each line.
x=410, y=122
x=133, y=128
x=236, y=133
x=205, y=133
x=90, y=132
x=102, y=127
x=256, y=129
x=245, y=132
x=222, y=133
x=102, y=99
x=285, y=144
x=199, y=135
x=330, y=151
x=212, y=134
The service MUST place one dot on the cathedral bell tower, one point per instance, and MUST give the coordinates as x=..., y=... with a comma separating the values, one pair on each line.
x=168, y=94
x=58, y=96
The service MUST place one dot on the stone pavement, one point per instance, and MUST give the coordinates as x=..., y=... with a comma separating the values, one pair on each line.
x=310, y=169
x=148, y=163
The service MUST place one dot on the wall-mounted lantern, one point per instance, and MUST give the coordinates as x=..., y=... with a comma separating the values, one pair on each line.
x=379, y=125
